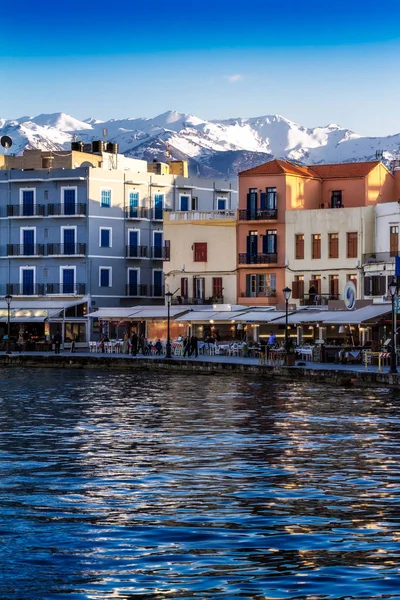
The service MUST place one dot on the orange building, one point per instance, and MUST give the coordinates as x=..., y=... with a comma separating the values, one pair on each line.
x=268, y=191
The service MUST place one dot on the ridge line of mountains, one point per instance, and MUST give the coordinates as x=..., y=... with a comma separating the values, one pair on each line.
x=217, y=148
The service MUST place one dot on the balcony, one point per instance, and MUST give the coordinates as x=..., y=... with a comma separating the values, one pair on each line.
x=137, y=213
x=178, y=300
x=156, y=214
x=160, y=252
x=137, y=252
x=65, y=289
x=379, y=257
x=257, y=259
x=66, y=210
x=156, y=291
x=21, y=211
x=66, y=249
x=317, y=299
x=43, y=289
x=270, y=214
x=136, y=291
x=25, y=249
x=201, y=215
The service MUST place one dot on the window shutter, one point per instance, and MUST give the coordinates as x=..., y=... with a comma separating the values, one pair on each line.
x=167, y=250
x=367, y=286
x=248, y=286
x=194, y=287
x=263, y=201
x=184, y=287
x=382, y=286
x=295, y=290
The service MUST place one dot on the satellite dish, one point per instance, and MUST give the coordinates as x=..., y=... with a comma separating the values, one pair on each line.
x=6, y=142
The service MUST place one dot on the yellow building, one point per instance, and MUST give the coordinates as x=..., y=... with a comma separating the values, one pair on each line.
x=201, y=256
x=324, y=249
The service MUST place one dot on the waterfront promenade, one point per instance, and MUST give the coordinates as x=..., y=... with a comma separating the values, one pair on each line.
x=342, y=374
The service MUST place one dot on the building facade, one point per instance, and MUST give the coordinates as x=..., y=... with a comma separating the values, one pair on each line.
x=90, y=225
x=202, y=256
x=285, y=212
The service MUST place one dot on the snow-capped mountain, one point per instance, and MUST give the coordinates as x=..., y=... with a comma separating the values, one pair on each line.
x=218, y=148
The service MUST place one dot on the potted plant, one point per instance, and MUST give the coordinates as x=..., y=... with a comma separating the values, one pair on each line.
x=290, y=353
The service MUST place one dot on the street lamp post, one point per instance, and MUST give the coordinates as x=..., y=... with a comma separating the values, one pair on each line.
x=168, y=296
x=8, y=299
x=286, y=292
x=393, y=358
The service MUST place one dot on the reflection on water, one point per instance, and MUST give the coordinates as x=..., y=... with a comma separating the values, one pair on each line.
x=159, y=486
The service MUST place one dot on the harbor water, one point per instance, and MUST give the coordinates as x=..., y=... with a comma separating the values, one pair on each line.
x=124, y=485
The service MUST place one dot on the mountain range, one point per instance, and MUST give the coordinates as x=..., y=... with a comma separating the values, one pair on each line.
x=218, y=148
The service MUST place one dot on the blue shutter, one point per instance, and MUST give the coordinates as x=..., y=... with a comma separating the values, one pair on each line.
x=221, y=204
x=105, y=198
x=158, y=206
x=69, y=241
x=157, y=283
x=105, y=238
x=263, y=201
x=133, y=205
x=104, y=277
x=158, y=239
x=133, y=283
x=28, y=242
x=27, y=282
x=68, y=282
x=133, y=244
x=27, y=203
x=69, y=202
x=184, y=203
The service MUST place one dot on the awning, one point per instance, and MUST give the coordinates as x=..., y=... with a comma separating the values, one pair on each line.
x=114, y=313
x=137, y=313
x=301, y=316
x=358, y=316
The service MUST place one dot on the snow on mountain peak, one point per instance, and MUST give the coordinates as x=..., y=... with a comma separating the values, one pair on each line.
x=60, y=121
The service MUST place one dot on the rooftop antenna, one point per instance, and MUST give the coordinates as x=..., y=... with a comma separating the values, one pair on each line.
x=379, y=154
x=104, y=132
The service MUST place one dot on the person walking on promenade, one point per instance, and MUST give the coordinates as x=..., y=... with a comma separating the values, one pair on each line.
x=271, y=342
x=186, y=346
x=158, y=347
x=20, y=342
x=57, y=342
x=194, y=346
x=141, y=344
x=134, y=343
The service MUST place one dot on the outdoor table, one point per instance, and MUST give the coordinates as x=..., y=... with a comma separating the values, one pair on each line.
x=306, y=353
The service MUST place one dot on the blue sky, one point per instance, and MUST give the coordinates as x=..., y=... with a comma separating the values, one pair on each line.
x=313, y=62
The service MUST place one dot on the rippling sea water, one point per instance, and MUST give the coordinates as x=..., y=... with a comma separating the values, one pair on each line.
x=118, y=485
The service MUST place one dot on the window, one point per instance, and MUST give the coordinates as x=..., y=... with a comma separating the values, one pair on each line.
x=185, y=203
x=133, y=205
x=217, y=288
x=158, y=206
x=158, y=289
x=105, y=198
x=268, y=200
x=352, y=244
x=27, y=280
x=394, y=240
x=105, y=276
x=158, y=244
x=333, y=242
x=27, y=201
x=195, y=203
x=298, y=287
x=353, y=278
x=260, y=285
x=252, y=203
x=198, y=288
x=269, y=242
x=221, y=203
x=299, y=239
x=167, y=250
x=334, y=287
x=375, y=286
x=336, y=199
x=68, y=196
x=315, y=283
x=200, y=252
x=184, y=287
x=133, y=282
x=68, y=236
x=67, y=280
x=105, y=237
x=28, y=237
x=316, y=245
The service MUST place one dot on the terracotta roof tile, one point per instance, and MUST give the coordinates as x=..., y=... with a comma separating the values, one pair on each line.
x=279, y=167
x=344, y=170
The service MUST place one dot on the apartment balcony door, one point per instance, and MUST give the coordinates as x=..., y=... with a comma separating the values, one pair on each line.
x=68, y=281
x=158, y=206
x=252, y=246
x=252, y=205
x=69, y=241
x=28, y=242
x=28, y=203
x=158, y=281
x=27, y=282
x=69, y=202
x=158, y=245
x=133, y=243
x=217, y=287
x=133, y=205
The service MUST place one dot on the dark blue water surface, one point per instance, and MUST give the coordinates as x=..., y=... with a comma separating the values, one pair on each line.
x=117, y=485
